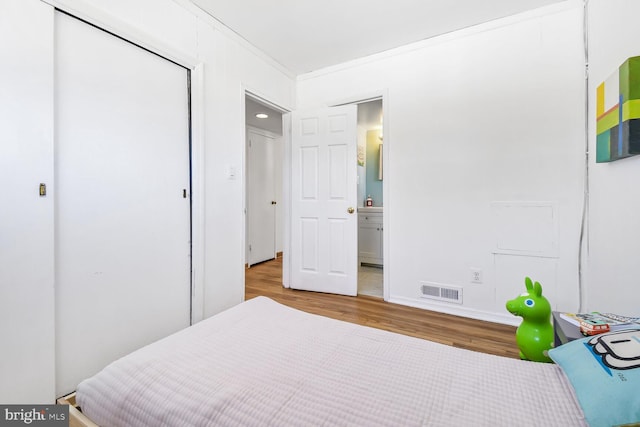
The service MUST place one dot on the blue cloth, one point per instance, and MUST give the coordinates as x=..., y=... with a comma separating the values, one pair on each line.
x=604, y=371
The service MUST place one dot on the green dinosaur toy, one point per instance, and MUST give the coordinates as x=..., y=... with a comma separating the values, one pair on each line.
x=535, y=334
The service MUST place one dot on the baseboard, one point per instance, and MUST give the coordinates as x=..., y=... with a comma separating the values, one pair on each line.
x=487, y=316
x=278, y=255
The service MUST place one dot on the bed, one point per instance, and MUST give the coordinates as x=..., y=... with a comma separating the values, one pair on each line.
x=264, y=364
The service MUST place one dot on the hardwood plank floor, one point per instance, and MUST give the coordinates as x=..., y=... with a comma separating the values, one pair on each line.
x=266, y=279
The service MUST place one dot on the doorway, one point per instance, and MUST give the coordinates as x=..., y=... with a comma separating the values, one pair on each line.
x=371, y=110
x=370, y=199
x=264, y=165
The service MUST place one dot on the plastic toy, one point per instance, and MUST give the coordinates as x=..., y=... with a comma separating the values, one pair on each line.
x=589, y=328
x=535, y=334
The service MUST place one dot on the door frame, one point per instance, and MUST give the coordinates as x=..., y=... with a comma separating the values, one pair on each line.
x=286, y=176
x=248, y=91
x=127, y=32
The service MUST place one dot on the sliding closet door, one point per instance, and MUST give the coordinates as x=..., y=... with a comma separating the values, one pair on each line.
x=26, y=216
x=122, y=218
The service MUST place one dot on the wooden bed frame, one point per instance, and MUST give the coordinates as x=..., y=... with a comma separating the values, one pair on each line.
x=76, y=417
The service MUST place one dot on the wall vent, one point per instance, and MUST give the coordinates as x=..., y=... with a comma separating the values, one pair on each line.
x=441, y=293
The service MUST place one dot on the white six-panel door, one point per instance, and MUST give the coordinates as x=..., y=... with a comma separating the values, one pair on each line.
x=324, y=222
x=122, y=221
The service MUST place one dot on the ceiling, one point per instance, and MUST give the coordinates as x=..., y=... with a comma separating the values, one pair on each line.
x=304, y=35
x=273, y=123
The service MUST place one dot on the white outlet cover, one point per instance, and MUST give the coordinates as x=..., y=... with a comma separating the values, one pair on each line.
x=476, y=275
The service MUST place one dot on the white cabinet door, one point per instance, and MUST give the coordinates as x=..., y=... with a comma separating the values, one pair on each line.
x=324, y=226
x=122, y=199
x=370, y=242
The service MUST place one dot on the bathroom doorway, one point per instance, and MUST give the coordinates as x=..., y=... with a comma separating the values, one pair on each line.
x=364, y=119
x=370, y=198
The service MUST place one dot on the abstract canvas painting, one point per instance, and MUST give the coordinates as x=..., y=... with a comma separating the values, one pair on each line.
x=618, y=113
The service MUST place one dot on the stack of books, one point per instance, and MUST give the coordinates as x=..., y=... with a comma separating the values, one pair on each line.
x=615, y=321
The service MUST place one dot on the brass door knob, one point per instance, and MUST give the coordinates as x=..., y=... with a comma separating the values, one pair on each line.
x=351, y=210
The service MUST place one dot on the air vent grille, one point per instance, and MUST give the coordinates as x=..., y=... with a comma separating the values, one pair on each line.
x=438, y=292
x=450, y=293
x=432, y=291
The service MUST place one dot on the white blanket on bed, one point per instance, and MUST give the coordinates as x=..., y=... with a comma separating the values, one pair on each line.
x=265, y=364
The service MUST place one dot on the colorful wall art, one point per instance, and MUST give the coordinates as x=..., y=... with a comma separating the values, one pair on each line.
x=618, y=113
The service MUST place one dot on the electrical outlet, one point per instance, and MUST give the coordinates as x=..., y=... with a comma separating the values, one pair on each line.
x=476, y=275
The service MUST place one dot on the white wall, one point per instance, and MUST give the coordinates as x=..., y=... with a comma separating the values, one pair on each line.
x=232, y=68
x=278, y=177
x=26, y=220
x=229, y=67
x=614, y=229
x=491, y=113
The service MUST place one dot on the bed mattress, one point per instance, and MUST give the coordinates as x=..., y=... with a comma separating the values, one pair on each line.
x=264, y=364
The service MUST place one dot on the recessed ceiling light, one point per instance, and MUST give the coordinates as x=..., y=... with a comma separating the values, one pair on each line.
x=262, y=115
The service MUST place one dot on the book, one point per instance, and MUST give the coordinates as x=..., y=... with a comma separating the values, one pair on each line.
x=615, y=321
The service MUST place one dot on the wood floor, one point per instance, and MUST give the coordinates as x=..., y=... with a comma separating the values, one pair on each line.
x=266, y=279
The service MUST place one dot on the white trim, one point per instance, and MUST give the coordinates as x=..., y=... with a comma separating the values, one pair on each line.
x=388, y=197
x=456, y=310
x=286, y=200
x=262, y=132
x=110, y=23
x=247, y=91
x=243, y=169
x=197, y=192
x=371, y=96
x=436, y=40
x=255, y=95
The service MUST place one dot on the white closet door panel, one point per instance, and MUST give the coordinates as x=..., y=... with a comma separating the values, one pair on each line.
x=122, y=224
x=26, y=219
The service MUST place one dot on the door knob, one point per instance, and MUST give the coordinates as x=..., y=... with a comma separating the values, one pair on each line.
x=351, y=210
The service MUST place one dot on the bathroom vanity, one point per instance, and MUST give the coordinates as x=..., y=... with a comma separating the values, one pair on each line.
x=370, y=242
